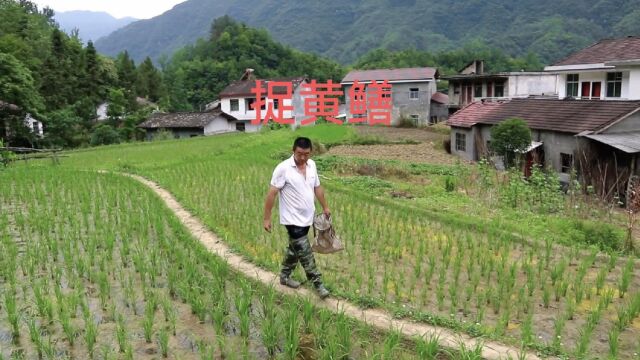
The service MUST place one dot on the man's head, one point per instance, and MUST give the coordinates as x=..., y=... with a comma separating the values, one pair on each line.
x=302, y=150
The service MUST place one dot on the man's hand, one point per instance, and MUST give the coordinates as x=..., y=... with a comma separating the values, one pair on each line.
x=267, y=225
x=326, y=212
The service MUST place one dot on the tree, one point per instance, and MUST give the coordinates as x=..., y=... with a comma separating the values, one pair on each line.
x=149, y=81
x=510, y=137
x=105, y=135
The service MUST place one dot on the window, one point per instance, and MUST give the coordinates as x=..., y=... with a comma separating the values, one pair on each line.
x=572, y=85
x=614, y=84
x=249, y=103
x=235, y=105
x=461, y=142
x=456, y=88
x=415, y=119
x=275, y=103
x=477, y=90
x=240, y=126
x=499, y=89
x=566, y=162
x=413, y=93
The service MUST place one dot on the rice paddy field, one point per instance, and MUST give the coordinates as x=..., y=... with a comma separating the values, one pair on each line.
x=93, y=264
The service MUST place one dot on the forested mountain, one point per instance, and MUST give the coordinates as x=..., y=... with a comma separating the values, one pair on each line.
x=59, y=81
x=197, y=73
x=91, y=25
x=346, y=29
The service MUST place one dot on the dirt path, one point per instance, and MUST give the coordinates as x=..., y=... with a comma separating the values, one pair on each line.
x=376, y=318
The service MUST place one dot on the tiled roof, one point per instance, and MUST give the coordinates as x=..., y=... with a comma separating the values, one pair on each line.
x=472, y=114
x=422, y=73
x=570, y=116
x=628, y=142
x=182, y=120
x=440, y=98
x=605, y=50
x=243, y=87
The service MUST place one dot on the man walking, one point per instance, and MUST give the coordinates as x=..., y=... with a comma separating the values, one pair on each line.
x=296, y=180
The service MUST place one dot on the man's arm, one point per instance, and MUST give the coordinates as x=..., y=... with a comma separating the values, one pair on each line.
x=319, y=191
x=268, y=205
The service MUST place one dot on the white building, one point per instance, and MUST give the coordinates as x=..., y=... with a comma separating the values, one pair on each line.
x=606, y=70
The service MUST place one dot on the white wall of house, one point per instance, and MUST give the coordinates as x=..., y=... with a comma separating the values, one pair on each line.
x=630, y=89
x=34, y=125
x=634, y=83
x=245, y=113
x=534, y=84
x=218, y=125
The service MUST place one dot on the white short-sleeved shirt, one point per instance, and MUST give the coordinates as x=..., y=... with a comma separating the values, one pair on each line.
x=296, y=193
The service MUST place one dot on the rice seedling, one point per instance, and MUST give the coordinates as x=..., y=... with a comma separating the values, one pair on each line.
x=206, y=351
x=467, y=353
x=625, y=278
x=12, y=313
x=614, y=337
x=35, y=335
x=526, y=332
x=391, y=344
x=90, y=333
x=558, y=328
x=163, y=342
x=291, y=329
x=67, y=326
x=121, y=334
x=428, y=347
x=147, y=327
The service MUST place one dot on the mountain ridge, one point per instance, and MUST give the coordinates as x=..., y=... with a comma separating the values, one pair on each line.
x=92, y=25
x=344, y=30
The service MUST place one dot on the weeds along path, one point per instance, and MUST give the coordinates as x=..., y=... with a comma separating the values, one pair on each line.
x=379, y=319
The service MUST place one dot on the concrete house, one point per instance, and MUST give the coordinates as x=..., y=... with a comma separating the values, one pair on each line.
x=586, y=134
x=606, y=70
x=236, y=100
x=189, y=124
x=473, y=84
x=414, y=94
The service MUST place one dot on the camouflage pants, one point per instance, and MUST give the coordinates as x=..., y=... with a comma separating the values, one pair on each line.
x=299, y=249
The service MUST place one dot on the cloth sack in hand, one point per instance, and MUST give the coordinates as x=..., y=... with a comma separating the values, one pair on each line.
x=327, y=241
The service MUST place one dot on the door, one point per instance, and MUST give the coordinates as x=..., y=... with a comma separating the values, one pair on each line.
x=595, y=90
x=586, y=90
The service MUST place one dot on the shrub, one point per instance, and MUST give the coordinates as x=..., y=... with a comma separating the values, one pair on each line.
x=163, y=134
x=604, y=236
x=510, y=137
x=105, y=135
x=405, y=122
x=449, y=183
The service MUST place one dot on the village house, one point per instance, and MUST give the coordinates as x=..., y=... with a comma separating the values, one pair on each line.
x=232, y=111
x=35, y=126
x=593, y=125
x=414, y=94
x=473, y=84
x=237, y=99
x=189, y=124
x=606, y=70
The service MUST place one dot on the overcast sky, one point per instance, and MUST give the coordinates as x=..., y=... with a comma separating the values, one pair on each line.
x=117, y=8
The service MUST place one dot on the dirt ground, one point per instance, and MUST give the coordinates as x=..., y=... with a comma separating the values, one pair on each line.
x=429, y=150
